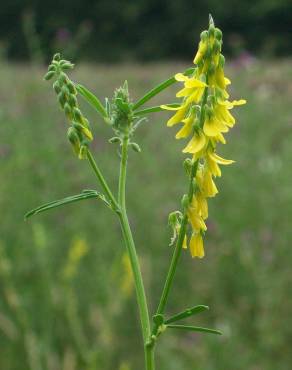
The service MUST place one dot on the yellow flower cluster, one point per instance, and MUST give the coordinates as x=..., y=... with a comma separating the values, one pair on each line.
x=205, y=115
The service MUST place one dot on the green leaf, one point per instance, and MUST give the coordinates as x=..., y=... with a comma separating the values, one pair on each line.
x=187, y=313
x=86, y=194
x=154, y=109
x=157, y=89
x=195, y=328
x=92, y=100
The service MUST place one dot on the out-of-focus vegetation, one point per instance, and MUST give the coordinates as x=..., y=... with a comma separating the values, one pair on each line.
x=144, y=29
x=67, y=299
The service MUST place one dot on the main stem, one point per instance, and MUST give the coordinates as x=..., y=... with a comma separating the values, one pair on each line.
x=130, y=245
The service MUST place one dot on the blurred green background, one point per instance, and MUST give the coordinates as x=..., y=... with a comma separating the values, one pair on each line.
x=66, y=294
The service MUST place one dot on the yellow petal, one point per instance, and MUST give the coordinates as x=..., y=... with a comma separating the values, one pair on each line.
x=178, y=117
x=167, y=107
x=181, y=77
x=196, y=96
x=238, y=102
x=196, y=245
x=193, y=82
x=216, y=158
x=213, y=167
x=196, y=144
x=196, y=220
x=220, y=79
x=209, y=188
x=220, y=138
x=184, y=92
x=186, y=129
x=213, y=127
x=222, y=114
x=199, y=203
x=227, y=81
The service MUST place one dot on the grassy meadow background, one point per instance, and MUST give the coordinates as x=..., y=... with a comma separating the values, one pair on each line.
x=66, y=294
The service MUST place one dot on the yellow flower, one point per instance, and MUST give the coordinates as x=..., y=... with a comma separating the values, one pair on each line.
x=205, y=114
x=196, y=245
x=217, y=159
x=214, y=127
x=186, y=130
x=199, y=203
x=196, y=144
x=206, y=183
x=196, y=220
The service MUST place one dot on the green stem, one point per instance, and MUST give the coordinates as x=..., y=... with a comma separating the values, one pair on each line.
x=102, y=180
x=130, y=245
x=178, y=248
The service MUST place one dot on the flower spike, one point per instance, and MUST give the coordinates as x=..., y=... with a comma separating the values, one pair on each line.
x=205, y=114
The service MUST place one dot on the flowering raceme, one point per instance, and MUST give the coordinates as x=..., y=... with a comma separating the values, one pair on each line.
x=205, y=115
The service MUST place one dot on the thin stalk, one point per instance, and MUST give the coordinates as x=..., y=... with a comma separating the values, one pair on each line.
x=177, y=250
x=102, y=180
x=130, y=245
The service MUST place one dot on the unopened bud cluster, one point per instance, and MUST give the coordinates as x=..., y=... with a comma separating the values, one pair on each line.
x=122, y=116
x=79, y=133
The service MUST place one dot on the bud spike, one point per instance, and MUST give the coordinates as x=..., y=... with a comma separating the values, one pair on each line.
x=211, y=20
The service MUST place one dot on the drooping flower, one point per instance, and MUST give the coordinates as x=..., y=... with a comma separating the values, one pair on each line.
x=205, y=114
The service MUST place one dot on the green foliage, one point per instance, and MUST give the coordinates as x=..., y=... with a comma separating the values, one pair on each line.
x=86, y=194
x=142, y=29
x=66, y=298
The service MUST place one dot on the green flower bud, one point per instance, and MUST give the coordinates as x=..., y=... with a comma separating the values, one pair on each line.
x=204, y=35
x=185, y=201
x=221, y=61
x=135, y=147
x=73, y=137
x=63, y=78
x=72, y=101
x=218, y=34
x=67, y=66
x=114, y=140
x=71, y=88
x=208, y=111
x=65, y=91
x=62, y=99
x=187, y=164
x=211, y=30
x=85, y=122
x=212, y=69
x=83, y=130
x=57, y=57
x=68, y=111
x=49, y=75
x=52, y=68
x=217, y=47
x=77, y=115
x=211, y=100
x=56, y=87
